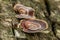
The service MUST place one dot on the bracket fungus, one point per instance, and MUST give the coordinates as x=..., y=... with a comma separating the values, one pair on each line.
x=29, y=23
x=24, y=12
x=33, y=25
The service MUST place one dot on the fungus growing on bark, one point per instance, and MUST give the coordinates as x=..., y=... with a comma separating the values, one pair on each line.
x=33, y=25
x=29, y=24
x=24, y=12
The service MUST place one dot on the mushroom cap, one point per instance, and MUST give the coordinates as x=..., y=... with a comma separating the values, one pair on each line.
x=24, y=12
x=17, y=6
x=23, y=9
x=33, y=25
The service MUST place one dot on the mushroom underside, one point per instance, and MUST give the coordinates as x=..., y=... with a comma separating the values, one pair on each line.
x=24, y=16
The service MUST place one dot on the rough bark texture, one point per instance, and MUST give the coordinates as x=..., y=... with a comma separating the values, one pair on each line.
x=48, y=10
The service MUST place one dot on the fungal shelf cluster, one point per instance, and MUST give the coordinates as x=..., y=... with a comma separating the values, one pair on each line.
x=28, y=22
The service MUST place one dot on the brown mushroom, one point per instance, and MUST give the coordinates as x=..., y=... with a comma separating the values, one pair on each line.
x=24, y=12
x=33, y=25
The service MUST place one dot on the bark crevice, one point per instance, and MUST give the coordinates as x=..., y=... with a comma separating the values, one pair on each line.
x=48, y=18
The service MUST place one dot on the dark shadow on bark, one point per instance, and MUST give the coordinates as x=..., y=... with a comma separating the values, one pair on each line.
x=47, y=7
x=47, y=17
x=0, y=38
x=0, y=8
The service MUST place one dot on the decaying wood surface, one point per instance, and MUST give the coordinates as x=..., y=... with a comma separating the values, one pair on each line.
x=48, y=10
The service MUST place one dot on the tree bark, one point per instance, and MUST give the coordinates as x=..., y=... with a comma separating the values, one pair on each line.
x=44, y=9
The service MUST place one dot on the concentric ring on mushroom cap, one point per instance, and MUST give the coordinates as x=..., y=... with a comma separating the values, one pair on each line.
x=18, y=7
x=42, y=25
x=32, y=25
x=24, y=12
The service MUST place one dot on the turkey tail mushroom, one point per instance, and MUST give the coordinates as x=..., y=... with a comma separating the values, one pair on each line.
x=29, y=24
x=24, y=12
x=33, y=25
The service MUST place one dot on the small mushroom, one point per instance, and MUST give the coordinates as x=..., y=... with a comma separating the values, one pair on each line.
x=25, y=12
x=33, y=25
